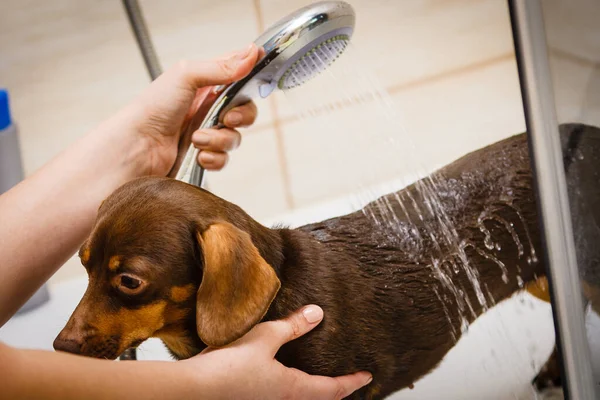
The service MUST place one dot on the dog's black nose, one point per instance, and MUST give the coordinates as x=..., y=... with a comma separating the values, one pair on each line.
x=67, y=345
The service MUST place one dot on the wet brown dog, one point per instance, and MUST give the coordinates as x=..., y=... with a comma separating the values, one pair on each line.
x=168, y=260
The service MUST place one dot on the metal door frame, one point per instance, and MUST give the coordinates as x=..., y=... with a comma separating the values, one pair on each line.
x=547, y=162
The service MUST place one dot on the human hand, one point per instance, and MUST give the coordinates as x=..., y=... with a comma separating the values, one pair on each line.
x=168, y=114
x=247, y=368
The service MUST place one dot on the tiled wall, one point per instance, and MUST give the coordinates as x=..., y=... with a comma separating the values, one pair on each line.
x=423, y=83
x=574, y=46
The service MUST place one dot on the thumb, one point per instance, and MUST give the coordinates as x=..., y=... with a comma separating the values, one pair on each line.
x=277, y=333
x=223, y=70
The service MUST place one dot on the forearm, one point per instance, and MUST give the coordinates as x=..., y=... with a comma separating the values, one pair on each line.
x=32, y=374
x=46, y=217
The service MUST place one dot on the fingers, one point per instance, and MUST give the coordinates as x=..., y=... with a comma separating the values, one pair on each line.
x=275, y=334
x=219, y=140
x=321, y=387
x=212, y=161
x=215, y=143
x=348, y=384
x=221, y=71
x=243, y=115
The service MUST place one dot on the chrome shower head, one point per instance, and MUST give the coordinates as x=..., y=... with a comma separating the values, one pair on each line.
x=296, y=49
x=313, y=62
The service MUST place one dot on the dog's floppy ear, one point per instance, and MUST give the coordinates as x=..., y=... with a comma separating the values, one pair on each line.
x=237, y=287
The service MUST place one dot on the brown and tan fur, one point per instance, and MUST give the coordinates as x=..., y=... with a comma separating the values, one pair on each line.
x=209, y=273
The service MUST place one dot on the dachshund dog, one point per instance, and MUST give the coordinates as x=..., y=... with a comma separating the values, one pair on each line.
x=169, y=260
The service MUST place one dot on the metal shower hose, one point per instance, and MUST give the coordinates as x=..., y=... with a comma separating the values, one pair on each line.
x=138, y=25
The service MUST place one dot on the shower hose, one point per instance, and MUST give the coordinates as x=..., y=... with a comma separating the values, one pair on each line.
x=138, y=25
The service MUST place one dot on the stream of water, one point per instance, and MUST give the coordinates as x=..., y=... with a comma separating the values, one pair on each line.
x=351, y=89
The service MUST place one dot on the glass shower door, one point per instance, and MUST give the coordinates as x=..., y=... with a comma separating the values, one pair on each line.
x=557, y=44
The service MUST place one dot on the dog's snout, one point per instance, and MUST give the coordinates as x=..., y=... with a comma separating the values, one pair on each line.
x=69, y=345
x=71, y=338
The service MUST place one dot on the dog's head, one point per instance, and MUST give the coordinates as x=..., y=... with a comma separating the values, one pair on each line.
x=169, y=260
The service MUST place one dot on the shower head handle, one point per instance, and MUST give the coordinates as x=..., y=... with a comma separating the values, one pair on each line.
x=288, y=47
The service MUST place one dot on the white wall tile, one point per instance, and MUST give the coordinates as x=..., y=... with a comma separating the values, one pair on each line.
x=70, y=64
x=338, y=151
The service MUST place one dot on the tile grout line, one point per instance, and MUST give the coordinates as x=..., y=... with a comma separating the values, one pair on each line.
x=398, y=88
x=452, y=73
x=574, y=58
x=276, y=125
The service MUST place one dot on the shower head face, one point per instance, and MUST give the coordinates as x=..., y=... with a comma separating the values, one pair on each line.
x=296, y=49
x=304, y=43
x=313, y=62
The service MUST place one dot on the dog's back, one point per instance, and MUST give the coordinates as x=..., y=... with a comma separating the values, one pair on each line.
x=581, y=150
x=387, y=308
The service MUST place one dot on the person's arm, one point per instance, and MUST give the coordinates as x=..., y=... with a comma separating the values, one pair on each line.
x=47, y=216
x=33, y=374
x=44, y=219
x=243, y=370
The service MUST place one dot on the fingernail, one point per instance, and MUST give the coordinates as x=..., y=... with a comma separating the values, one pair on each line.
x=208, y=158
x=201, y=139
x=313, y=314
x=369, y=380
x=234, y=118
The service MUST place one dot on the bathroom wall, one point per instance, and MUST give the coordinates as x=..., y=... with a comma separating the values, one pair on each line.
x=447, y=68
x=573, y=37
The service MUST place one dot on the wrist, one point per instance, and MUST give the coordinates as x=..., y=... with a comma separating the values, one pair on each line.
x=205, y=379
x=132, y=151
x=152, y=149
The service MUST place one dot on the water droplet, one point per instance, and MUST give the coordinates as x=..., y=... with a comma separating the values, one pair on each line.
x=496, y=261
x=455, y=268
x=509, y=226
x=488, y=243
x=526, y=233
x=520, y=281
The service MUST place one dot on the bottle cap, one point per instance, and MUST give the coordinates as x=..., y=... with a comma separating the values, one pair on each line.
x=5, y=121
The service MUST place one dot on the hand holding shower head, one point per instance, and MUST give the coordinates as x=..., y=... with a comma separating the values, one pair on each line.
x=296, y=48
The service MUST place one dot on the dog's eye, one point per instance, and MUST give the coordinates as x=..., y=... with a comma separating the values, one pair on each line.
x=129, y=282
x=130, y=285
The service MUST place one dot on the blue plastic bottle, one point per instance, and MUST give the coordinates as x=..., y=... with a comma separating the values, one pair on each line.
x=11, y=173
x=11, y=166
